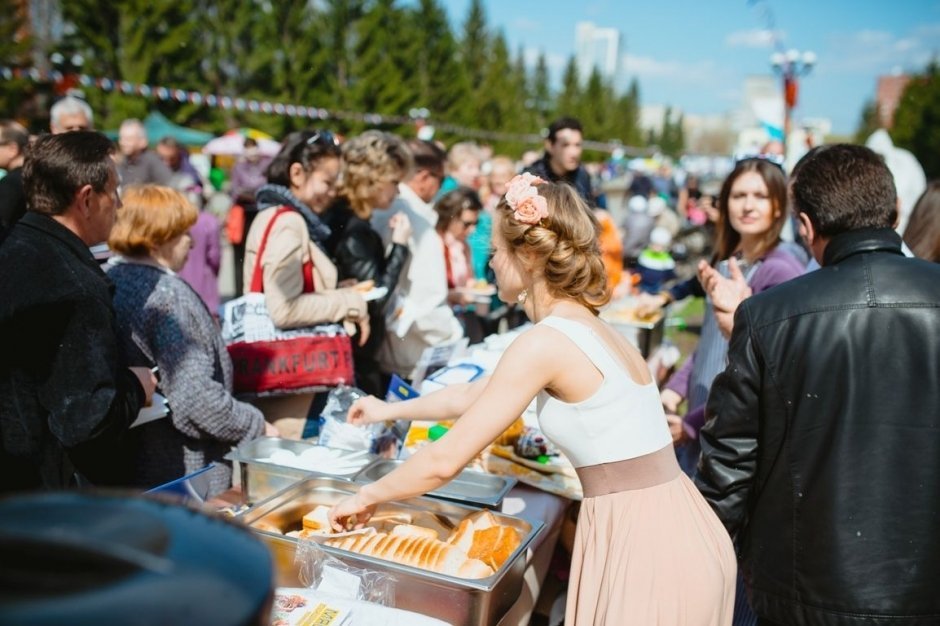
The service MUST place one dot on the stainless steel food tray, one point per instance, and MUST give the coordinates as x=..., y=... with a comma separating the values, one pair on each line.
x=260, y=480
x=468, y=487
x=458, y=601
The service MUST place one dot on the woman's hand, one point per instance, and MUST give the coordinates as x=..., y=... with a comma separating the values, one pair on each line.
x=671, y=400
x=649, y=304
x=350, y=513
x=363, y=329
x=676, y=429
x=401, y=228
x=270, y=430
x=726, y=293
x=368, y=410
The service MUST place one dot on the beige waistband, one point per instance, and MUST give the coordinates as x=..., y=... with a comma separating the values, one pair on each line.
x=641, y=472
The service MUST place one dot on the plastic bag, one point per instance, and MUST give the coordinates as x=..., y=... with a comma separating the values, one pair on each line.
x=322, y=571
x=336, y=432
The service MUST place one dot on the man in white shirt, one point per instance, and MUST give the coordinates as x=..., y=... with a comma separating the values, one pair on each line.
x=418, y=316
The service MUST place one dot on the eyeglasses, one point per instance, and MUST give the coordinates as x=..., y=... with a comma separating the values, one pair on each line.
x=324, y=137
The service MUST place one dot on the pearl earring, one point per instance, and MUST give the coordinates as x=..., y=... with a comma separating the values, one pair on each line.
x=522, y=296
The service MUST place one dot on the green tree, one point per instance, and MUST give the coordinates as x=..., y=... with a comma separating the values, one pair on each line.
x=154, y=43
x=671, y=140
x=569, y=99
x=16, y=94
x=337, y=21
x=628, y=107
x=541, y=101
x=917, y=119
x=496, y=92
x=377, y=79
x=288, y=62
x=475, y=43
x=441, y=81
x=868, y=122
x=597, y=104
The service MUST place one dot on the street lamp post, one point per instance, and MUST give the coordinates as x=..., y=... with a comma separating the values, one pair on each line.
x=791, y=65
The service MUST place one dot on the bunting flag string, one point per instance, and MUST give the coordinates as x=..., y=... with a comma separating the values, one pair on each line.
x=183, y=96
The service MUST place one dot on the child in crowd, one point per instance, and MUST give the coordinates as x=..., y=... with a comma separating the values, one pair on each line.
x=655, y=265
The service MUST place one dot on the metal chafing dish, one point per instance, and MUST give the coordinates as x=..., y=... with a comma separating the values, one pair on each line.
x=458, y=601
x=261, y=479
x=468, y=487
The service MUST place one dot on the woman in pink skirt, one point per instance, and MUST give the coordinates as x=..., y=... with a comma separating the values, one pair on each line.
x=648, y=549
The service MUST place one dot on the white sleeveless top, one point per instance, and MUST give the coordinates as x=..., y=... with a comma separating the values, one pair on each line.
x=621, y=420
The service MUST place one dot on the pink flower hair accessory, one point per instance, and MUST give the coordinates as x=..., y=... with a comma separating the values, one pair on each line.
x=524, y=199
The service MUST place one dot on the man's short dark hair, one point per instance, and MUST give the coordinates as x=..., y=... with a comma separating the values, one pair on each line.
x=563, y=123
x=170, y=142
x=843, y=187
x=57, y=166
x=427, y=156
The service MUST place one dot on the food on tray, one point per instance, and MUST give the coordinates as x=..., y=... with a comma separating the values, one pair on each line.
x=511, y=434
x=412, y=530
x=631, y=316
x=317, y=520
x=319, y=459
x=269, y=527
x=417, y=551
x=482, y=537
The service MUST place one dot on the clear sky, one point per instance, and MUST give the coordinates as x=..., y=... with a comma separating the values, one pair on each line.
x=695, y=54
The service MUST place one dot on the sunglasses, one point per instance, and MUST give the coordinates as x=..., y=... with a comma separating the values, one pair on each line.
x=776, y=159
x=323, y=137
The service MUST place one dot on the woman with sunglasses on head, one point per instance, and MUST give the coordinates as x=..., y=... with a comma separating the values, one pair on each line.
x=372, y=166
x=298, y=278
x=648, y=549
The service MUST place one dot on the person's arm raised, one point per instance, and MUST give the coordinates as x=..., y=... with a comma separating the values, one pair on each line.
x=448, y=403
x=529, y=365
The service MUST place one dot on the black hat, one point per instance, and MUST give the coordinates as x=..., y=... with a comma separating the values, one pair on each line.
x=80, y=558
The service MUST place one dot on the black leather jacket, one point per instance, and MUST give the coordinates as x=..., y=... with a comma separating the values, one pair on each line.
x=822, y=453
x=359, y=253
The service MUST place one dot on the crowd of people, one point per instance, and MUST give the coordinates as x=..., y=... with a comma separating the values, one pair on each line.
x=785, y=473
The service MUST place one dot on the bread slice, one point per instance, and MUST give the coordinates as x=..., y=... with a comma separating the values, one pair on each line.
x=317, y=520
x=366, y=547
x=494, y=545
x=412, y=530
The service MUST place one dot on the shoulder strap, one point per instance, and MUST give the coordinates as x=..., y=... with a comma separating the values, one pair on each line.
x=589, y=343
x=257, y=276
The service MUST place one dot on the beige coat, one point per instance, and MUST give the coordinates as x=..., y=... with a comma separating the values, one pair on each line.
x=289, y=247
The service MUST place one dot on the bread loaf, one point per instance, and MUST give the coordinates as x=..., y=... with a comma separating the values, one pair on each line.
x=494, y=545
x=481, y=536
x=417, y=549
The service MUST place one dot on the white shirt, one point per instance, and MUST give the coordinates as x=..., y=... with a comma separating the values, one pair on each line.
x=418, y=315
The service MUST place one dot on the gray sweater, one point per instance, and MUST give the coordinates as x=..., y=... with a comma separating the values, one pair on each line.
x=163, y=322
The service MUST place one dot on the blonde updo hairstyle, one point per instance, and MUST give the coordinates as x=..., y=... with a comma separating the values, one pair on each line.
x=368, y=161
x=564, y=246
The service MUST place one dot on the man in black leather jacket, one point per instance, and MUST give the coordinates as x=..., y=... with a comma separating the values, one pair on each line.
x=822, y=450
